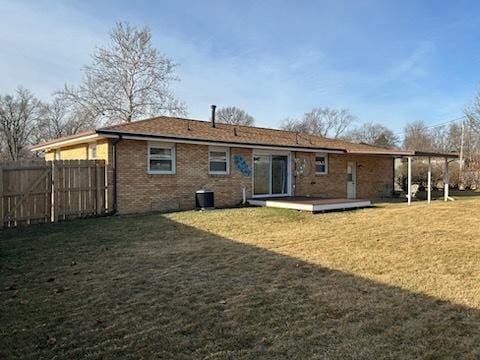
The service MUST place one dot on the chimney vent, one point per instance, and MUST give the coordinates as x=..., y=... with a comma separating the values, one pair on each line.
x=213, y=115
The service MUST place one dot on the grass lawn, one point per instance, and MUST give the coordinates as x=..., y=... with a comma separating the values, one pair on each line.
x=390, y=282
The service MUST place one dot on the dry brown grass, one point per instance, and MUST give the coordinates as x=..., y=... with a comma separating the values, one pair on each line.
x=388, y=282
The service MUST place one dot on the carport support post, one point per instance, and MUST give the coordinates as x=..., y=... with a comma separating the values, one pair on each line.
x=429, y=180
x=409, y=194
x=445, y=180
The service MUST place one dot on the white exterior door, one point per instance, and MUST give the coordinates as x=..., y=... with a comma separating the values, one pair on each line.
x=352, y=179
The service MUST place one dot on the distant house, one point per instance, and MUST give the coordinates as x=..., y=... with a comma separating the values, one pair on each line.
x=159, y=163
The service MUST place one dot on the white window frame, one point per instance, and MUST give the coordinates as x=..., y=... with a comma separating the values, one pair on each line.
x=162, y=145
x=227, y=153
x=325, y=155
x=90, y=147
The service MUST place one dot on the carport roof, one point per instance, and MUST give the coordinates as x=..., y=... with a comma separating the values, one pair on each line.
x=436, y=154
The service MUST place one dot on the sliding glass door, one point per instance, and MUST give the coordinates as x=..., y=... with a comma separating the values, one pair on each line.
x=279, y=174
x=270, y=174
x=261, y=177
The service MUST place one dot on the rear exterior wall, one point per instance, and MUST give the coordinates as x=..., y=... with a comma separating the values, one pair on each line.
x=374, y=176
x=139, y=191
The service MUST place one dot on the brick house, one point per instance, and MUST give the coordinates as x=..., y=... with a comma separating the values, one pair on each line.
x=159, y=163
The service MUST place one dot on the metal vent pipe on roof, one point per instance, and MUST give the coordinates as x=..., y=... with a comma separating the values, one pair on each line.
x=213, y=114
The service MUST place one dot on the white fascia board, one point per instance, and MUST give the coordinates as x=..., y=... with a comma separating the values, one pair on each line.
x=68, y=142
x=221, y=144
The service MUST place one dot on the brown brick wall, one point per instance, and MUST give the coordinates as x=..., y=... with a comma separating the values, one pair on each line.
x=139, y=191
x=374, y=176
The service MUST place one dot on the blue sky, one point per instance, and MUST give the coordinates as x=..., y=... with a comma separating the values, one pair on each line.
x=386, y=61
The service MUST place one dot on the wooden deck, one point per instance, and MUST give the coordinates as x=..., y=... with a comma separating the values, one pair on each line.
x=312, y=204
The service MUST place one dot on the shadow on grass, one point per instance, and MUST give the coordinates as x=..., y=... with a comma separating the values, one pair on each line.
x=146, y=286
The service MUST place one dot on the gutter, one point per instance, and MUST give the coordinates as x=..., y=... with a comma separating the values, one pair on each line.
x=140, y=136
x=54, y=144
x=381, y=153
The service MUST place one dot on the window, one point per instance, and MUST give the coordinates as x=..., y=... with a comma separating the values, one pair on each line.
x=321, y=164
x=161, y=158
x=218, y=161
x=92, y=151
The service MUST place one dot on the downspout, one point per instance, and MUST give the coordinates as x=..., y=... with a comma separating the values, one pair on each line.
x=114, y=189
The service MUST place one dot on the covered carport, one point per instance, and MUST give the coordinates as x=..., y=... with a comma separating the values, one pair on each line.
x=448, y=157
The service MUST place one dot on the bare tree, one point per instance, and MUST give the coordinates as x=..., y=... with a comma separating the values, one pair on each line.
x=472, y=114
x=235, y=116
x=127, y=80
x=417, y=137
x=471, y=149
x=293, y=124
x=373, y=134
x=325, y=122
x=60, y=118
x=446, y=138
x=19, y=114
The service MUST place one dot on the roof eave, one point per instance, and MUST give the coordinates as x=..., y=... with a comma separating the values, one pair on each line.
x=437, y=154
x=61, y=142
x=381, y=152
x=172, y=138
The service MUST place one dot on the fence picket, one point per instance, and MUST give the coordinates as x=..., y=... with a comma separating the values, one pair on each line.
x=38, y=191
x=98, y=204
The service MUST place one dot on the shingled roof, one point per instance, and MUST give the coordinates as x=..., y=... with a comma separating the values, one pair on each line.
x=186, y=130
x=180, y=128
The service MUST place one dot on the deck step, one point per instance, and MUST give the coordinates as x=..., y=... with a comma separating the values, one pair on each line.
x=310, y=204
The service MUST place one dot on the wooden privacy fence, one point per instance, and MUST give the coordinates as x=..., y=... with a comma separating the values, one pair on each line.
x=33, y=192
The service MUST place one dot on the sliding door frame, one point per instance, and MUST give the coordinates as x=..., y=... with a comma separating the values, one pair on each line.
x=271, y=153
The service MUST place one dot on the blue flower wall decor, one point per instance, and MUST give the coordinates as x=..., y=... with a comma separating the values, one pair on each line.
x=241, y=165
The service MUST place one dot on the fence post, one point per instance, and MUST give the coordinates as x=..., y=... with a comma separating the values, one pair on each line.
x=106, y=187
x=52, y=196
x=98, y=188
x=54, y=174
